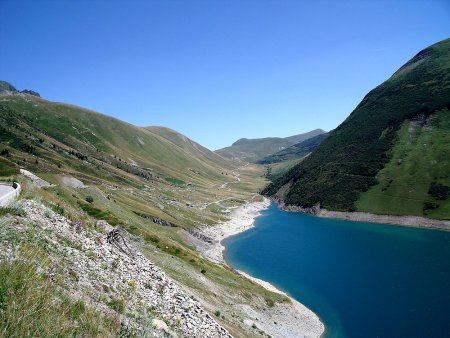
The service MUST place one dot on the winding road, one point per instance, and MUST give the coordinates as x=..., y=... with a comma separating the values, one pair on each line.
x=5, y=190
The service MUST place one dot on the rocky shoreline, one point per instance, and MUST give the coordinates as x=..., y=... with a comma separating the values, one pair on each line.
x=282, y=320
x=241, y=219
x=410, y=221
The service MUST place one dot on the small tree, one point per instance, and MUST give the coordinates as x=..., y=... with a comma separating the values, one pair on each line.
x=89, y=199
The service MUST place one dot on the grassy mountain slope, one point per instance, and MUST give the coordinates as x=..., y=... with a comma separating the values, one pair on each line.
x=252, y=150
x=295, y=151
x=56, y=139
x=419, y=162
x=131, y=175
x=348, y=161
x=102, y=136
x=190, y=147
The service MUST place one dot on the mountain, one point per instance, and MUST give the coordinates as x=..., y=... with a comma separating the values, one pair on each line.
x=297, y=150
x=7, y=88
x=58, y=139
x=391, y=155
x=40, y=127
x=253, y=150
x=158, y=187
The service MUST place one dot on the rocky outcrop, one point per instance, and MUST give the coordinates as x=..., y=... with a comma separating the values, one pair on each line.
x=92, y=266
x=163, y=222
x=156, y=220
x=314, y=210
x=200, y=236
x=7, y=89
x=30, y=92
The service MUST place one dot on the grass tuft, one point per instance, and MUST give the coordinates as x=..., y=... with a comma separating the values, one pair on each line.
x=31, y=306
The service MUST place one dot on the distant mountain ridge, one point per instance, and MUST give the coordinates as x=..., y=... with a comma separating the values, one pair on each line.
x=391, y=154
x=253, y=150
x=297, y=150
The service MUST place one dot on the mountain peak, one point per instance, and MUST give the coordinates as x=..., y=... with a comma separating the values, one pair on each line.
x=7, y=88
x=253, y=150
x=240, y=141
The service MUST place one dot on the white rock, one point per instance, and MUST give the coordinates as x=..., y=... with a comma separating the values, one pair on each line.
x=160, y=325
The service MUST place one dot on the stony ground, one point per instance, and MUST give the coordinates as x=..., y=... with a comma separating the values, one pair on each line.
x=109, y=273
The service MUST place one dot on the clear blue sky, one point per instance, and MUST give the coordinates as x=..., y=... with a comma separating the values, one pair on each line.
x=215, y=70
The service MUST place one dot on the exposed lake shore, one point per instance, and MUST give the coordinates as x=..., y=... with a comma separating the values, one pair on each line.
x=282, y=320
x=410, y=221
x=241, y=219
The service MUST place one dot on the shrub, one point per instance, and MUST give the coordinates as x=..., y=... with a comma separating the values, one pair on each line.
x=269, y=302
x=89, y=199
x=132, y=284
x=439, y=191
x=117, y=305
x=58, y=209
x=90, y=254
x=429, y=206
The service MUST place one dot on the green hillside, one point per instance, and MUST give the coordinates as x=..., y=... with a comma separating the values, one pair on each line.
x=295, y=151
x=419, y=165
x=105, y=138
x=347, y=163
x=253, y=150
x=191, y=148
x=101, y=168
x=54, y=139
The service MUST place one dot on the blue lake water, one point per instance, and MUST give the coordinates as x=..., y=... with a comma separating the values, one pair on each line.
x=362, y=279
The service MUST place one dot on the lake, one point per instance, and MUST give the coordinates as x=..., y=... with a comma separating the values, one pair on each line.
x=361, y=279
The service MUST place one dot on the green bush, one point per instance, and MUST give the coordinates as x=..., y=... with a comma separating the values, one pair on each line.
x=269, y=302
x=427, y=206
x=58, y=209
x=117, y=305
x=90, y=199
x=439, y=191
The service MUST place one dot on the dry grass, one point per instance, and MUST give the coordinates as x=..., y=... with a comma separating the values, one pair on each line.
x=32, y=306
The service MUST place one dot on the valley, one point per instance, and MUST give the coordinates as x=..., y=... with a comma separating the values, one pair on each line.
x=128, y=225
x=157, y=185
